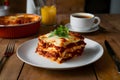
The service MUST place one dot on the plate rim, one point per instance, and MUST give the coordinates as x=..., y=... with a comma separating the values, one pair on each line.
x=58, y=68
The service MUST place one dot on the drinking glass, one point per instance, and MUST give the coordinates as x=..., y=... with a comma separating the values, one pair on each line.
x=48, y=13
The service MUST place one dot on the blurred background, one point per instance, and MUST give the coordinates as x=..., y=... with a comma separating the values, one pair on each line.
x=70, y=6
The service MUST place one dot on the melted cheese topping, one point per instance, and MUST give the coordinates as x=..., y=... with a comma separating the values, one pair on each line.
x=18, y=19
x=59, y=41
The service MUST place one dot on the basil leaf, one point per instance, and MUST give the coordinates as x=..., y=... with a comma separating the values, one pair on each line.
x=61, y=31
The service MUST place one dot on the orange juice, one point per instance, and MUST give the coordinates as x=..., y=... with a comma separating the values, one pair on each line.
x=48, y=14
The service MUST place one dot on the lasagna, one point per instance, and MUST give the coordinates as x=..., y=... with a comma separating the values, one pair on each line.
x=18, y=19
x=60, y=49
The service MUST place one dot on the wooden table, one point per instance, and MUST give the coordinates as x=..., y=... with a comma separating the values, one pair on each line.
x=103, y=69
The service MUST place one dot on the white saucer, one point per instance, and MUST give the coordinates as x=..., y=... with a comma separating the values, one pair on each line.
x=82, y=31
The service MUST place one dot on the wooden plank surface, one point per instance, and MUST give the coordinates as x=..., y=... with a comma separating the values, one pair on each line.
x=33, y=73
x=13, y=64
x=103, y=69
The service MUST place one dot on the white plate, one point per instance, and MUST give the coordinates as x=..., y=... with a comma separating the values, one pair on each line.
x=26, y=52
x=82, y=31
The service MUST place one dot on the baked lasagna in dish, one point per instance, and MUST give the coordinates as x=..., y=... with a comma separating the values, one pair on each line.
x=18, y=19
x=60, y=45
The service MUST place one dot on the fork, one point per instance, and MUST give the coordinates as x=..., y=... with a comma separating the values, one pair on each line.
x=8, y=52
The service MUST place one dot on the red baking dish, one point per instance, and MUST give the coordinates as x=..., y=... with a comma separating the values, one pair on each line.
x=20, y=30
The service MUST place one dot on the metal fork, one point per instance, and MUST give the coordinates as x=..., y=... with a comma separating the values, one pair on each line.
x=8, y=52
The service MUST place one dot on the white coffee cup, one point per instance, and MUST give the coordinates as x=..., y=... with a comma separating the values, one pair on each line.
x=83, y=21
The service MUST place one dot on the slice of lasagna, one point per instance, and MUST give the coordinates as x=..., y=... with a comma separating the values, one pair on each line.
x=60, y=45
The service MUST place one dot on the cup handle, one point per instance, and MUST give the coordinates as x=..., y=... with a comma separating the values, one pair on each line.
x=98, y=22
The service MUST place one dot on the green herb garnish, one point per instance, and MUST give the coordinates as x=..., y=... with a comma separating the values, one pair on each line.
x=61, y=31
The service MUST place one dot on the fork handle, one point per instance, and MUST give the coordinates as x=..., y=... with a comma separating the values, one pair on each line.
x=2, y=62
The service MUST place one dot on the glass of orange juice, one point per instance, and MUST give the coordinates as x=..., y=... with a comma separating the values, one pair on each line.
x=48, y=14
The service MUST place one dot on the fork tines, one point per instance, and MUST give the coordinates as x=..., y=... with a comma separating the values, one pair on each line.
x=10, y=48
